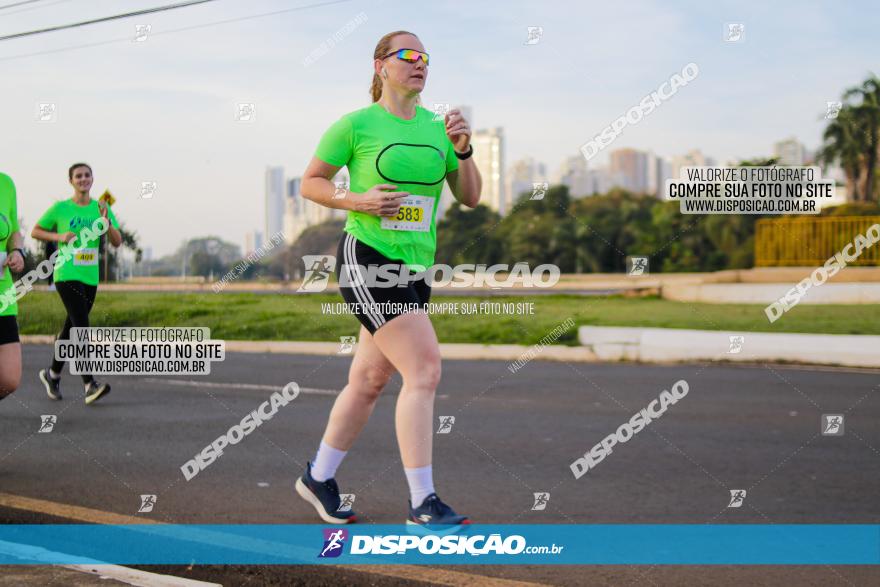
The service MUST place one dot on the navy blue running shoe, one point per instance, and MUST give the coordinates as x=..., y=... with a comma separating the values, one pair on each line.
x=433, y=514
x=95, y=391
x=324, y=497
x=53, y=386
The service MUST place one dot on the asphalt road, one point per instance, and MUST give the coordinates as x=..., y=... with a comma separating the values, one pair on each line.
x=740, y=427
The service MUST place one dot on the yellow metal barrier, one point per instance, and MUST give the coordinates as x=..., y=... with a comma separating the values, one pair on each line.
x=809, y=241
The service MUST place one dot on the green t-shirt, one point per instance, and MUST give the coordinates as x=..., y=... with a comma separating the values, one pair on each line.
x=378, y=147
x=8, y=227
x=76, y=261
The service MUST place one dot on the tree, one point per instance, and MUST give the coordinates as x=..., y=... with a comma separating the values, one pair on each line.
x=205, y=264
x=867, y=113
x=607, y=229
x=130, y=242
x=468, y=236
x=541, y=231
x=853, y=138
x=321, y=239
x=841, y=144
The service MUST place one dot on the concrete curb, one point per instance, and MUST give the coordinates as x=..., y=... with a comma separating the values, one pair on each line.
x=658, y=345
x=767, y=293
x=646, y=345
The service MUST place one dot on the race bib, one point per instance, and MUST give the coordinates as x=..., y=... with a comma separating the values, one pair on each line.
x=85, y=257
x=415, y=214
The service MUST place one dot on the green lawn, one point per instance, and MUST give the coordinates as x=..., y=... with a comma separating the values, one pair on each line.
x=248, y=316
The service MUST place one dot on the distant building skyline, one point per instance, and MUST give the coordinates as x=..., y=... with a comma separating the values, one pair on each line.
x=640, y=171
x=790, y=152
x=274, y=200
x=489, y=158
x=167, y=110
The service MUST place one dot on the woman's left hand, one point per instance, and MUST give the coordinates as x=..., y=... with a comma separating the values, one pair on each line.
x=458, y=130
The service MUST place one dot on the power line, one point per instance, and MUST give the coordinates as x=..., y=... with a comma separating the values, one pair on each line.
x=40, y=7
x=18, y=4
x=171, y=31
x=105, y=19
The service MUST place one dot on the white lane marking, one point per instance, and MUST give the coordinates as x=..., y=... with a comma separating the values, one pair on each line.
x=257, y=386
x=230, y=385
x=101, y=569
x=137, y=577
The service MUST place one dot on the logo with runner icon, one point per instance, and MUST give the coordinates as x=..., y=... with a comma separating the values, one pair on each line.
x=346, y=501
x=148, y=502
x=541, y=500
x=636, y=265
x=832, y=424
x=539, y=190
x=346, y=345
x=47, y=423
x=736, y=344
x=737, y=497
x=334, y=542
x=318, y=270
x=446, y=423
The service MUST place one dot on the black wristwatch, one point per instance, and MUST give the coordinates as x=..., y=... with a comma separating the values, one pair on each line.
x=466, y=154
x=20, y=252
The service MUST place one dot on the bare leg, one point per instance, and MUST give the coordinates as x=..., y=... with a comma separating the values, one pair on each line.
x=410, y=344
x=369, y=373
x=10, y=368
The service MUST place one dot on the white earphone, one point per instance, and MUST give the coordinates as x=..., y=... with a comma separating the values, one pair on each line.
x=384, y=73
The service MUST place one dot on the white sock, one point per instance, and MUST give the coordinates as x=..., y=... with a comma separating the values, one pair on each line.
x=421, y=483
x=54, y=375
x=326, y=462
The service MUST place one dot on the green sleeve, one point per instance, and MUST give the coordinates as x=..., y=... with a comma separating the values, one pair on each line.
x=14, y=219
x=451, y=159
x=337, y=144
x=7, y=185
x=112, y=218
x=48, y=221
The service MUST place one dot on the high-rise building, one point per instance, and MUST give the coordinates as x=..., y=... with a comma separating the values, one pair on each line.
x=253, y=240
x=573, y=173
x=294, y=216
x=629, y=169
x=300, y=213
x=661, y=170
x=693, y=158
x=522, y=176
x=274, y=200
x=790, y=152
x=489, y=159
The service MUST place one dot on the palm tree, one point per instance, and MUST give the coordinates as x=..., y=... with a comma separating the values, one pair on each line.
x=867, y=115
x=841, y=142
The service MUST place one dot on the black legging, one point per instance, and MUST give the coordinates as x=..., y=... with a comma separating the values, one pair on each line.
x=78, y=299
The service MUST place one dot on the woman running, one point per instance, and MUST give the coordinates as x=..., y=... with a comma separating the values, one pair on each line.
x=76, y=267
x=397, y=156
x=11, y=259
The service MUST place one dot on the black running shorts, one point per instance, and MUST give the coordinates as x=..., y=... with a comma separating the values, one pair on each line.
x=374, y=306
x=8, y=329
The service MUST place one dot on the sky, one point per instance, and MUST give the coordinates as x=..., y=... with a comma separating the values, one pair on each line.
x=164, y=109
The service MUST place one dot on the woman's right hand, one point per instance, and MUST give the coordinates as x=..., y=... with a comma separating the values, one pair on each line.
x=380, y=200
x=65, y=237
